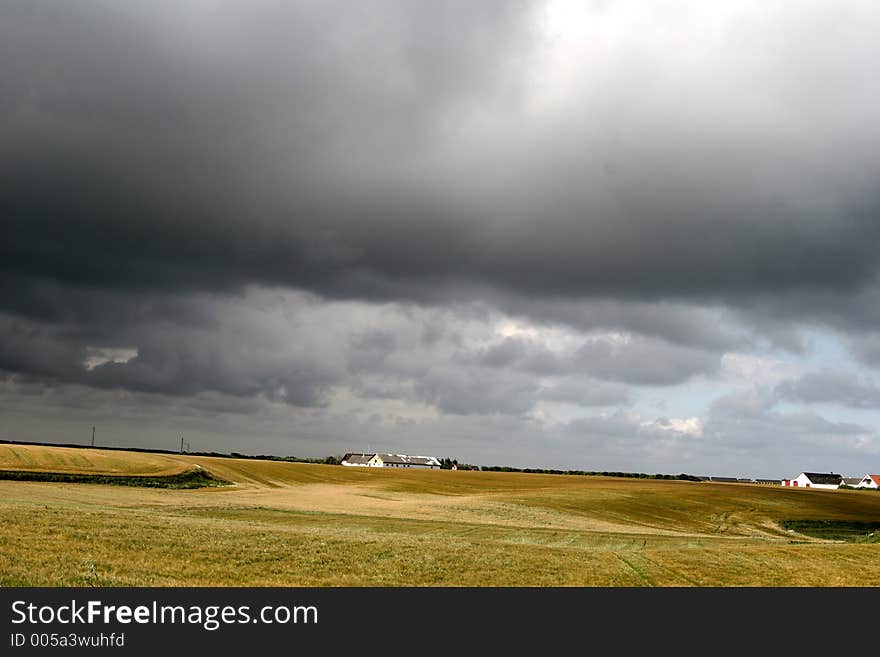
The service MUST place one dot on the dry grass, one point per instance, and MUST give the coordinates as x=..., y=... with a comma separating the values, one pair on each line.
x=293, y=524
x=68, y=460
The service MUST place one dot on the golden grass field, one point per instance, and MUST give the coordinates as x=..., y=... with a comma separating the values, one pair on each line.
x=37, y=458
x=295, y=524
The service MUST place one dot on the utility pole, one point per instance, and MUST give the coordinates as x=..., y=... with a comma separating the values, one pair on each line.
x=181, y=444
x=93, y=435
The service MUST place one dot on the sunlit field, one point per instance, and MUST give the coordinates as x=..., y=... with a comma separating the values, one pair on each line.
x=37, y=458
x=295, y=524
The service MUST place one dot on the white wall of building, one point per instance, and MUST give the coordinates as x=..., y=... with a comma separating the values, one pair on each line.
x=804, y=482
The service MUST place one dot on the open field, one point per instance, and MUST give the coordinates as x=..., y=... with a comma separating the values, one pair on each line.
x=294, y=524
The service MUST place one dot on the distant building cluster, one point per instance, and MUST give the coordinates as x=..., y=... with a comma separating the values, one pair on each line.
x=391, y=461
x=738, y=480
x=831, y=481
x=821, y=480
x=825, y=480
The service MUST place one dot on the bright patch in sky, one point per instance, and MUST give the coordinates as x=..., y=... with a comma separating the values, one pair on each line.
x=101, y=355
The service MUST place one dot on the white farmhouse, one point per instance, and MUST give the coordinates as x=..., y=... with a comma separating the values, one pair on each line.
x=826, y=480
x=870, y=481
x=391, y=461
x=359, y=460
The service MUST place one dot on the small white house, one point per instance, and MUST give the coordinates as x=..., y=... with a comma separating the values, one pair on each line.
x=824, y=480
x=870, y=481
x=391, y=461
x=359, y=460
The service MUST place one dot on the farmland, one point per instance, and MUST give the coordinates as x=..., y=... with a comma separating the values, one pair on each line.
x=295, y=524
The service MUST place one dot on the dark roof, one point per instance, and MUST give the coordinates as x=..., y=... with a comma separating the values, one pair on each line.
x=823, y=477
x=403, y=459
x=852, y=481
x=726, y=480
x=357, y=458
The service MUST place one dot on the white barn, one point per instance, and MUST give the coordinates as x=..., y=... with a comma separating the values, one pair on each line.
x=391, y=461
x=870, y=481
x=824, y=480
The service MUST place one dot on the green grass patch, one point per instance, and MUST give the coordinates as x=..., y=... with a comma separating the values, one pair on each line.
x=189, y=479
x=836, y=530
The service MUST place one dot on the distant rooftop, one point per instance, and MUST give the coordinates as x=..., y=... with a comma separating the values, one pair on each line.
x=824, y=477
x=399, y=459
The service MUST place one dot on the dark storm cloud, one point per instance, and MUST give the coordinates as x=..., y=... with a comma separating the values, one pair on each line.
x=334, y=148
x=297, y=350
x=141, y=345
x=171, y=172
x=185, y=365
x=38, y=351
x=196, y=148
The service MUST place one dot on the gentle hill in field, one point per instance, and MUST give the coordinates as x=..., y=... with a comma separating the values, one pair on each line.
x=87, y=461
x=571, y=501
x=297, y=524
x=506, y=498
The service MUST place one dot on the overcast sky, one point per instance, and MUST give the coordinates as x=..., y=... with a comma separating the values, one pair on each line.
x=591, y=235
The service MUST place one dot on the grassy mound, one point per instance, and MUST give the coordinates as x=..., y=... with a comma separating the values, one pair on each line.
x=836, y=530
x=196, y=478
x=90, y=461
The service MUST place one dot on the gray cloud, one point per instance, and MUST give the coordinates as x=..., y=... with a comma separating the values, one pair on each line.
x=295, y=349
x=748, y=419
x=587, y=392
x=645, y=361
x=335, y=150
x=753, y=436
x=463, y=392
x=690, y=325
x=238, y=349
x=635, y=360
x=834, y=387
x=867, y=348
